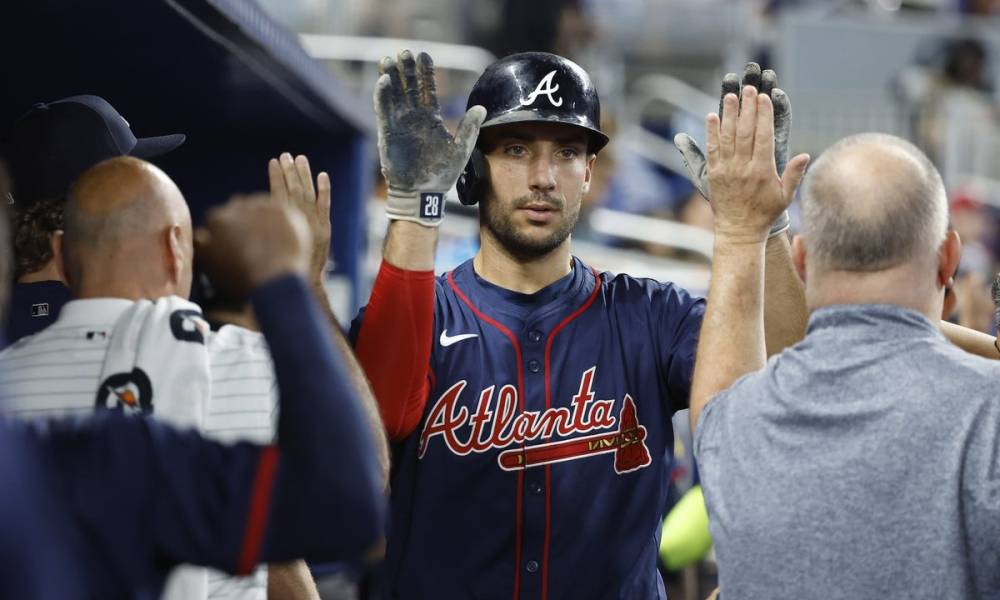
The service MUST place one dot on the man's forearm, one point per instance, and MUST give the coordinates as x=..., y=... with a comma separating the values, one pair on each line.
x=785, y=312
x=410, y=246
x=732, y=333
x=970, y=340
x=402, y=306
x=327, y=453
x=358, y=379
x=291, y=581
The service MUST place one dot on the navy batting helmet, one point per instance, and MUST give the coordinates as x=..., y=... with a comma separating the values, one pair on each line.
x=531, y=87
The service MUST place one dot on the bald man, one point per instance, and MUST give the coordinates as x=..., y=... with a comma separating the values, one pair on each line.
x=861, y=462
x=128, y=238
x=127, y=233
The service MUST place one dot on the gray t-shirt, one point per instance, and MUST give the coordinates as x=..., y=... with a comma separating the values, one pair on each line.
x=863, y=462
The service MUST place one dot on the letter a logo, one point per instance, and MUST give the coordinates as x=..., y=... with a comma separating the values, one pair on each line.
x=546, y=87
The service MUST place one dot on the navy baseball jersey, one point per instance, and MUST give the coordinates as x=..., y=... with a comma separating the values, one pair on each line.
x=539, y=468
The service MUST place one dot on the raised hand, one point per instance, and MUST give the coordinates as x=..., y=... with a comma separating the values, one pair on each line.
x=292, y=185
x=747, y=193
x=420, y=158
x=765, y=83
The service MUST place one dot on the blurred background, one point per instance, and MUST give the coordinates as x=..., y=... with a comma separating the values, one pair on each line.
x=247, y=80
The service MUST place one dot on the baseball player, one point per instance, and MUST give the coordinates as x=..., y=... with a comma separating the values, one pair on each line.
x=528, y=395
x=126, y=499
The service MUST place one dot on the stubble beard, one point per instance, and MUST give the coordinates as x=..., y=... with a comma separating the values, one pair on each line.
x=500, y=224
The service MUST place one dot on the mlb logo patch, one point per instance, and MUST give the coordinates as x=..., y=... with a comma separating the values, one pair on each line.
x=40, y=310
x=431, y=206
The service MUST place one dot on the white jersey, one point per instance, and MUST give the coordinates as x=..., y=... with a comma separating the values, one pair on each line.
x=57, y=372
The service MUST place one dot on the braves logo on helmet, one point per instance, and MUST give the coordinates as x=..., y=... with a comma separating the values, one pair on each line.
x=499, y=425
x=545, y=87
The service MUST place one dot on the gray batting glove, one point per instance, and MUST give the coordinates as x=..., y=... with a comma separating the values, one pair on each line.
x=694, y=158
x=420, y=159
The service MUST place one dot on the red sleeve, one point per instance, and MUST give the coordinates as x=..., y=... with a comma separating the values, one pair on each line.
x=394, y=345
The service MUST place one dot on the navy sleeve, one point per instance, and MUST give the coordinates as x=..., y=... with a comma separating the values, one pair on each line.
x=144, y=496
x=327, y=501
x=679, y=315
x=35, y=559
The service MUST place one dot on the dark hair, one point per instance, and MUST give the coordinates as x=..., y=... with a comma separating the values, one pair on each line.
x=33, y=229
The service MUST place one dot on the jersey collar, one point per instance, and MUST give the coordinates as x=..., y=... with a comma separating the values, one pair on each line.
x=92, y=311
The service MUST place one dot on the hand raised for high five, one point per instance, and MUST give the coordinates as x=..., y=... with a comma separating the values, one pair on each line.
x=292, y=185
x=765, y=83
x=420, y=158
x=747, y=193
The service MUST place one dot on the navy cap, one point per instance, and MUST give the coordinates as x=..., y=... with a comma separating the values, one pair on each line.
x=53, y=144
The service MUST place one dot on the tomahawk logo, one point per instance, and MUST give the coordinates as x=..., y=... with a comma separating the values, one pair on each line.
x=504, y=426
x=545, y=87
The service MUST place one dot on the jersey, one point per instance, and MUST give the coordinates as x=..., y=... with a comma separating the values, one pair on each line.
x=539, y=468
x=57, y=373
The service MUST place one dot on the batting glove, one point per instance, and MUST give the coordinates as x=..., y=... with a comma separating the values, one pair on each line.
x=694, y=158
x=420, y=159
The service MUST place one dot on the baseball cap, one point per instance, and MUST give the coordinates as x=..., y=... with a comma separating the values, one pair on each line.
x=52, y=144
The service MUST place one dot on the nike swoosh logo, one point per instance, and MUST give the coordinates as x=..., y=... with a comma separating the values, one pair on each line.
x=447, y=340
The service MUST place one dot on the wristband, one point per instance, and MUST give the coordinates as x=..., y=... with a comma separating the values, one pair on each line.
x=424, y=208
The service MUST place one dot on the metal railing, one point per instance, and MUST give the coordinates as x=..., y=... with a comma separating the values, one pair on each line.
x=455, y=57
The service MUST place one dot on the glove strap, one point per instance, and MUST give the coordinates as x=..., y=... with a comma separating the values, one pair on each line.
x=424, y=208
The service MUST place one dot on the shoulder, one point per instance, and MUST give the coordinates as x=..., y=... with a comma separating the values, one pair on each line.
x=448, y=281
x=52, y=337
x=643, y=287
x=664, y=299
x=972, y=375
x=236, y=339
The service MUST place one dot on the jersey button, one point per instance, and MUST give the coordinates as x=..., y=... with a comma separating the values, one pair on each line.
x=531, y=566
x=534, y=336
x=535, y=488
x=534, y=366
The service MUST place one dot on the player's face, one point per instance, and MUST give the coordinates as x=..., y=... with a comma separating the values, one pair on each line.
x=539, y=173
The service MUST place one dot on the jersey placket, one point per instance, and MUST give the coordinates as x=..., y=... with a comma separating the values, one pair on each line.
x=537, y=341
x=535, y=499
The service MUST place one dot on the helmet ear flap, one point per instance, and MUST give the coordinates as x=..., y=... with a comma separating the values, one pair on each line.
x=471, y=184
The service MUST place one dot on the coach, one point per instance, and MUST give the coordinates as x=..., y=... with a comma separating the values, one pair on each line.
x=861, y=462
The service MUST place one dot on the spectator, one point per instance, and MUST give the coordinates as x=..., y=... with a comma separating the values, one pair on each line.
x=958, y=118
x=862, y=461
x=48, y=148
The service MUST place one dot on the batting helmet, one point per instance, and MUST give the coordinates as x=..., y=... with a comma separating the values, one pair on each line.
x=531, y=87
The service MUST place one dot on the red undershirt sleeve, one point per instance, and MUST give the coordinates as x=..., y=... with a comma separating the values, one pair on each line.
x=394, y=345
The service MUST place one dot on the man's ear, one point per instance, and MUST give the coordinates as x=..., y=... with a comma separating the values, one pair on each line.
x=175, y=253
x=589, y=173
x=949, y=253
x=799, y=256
x=56, y=244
